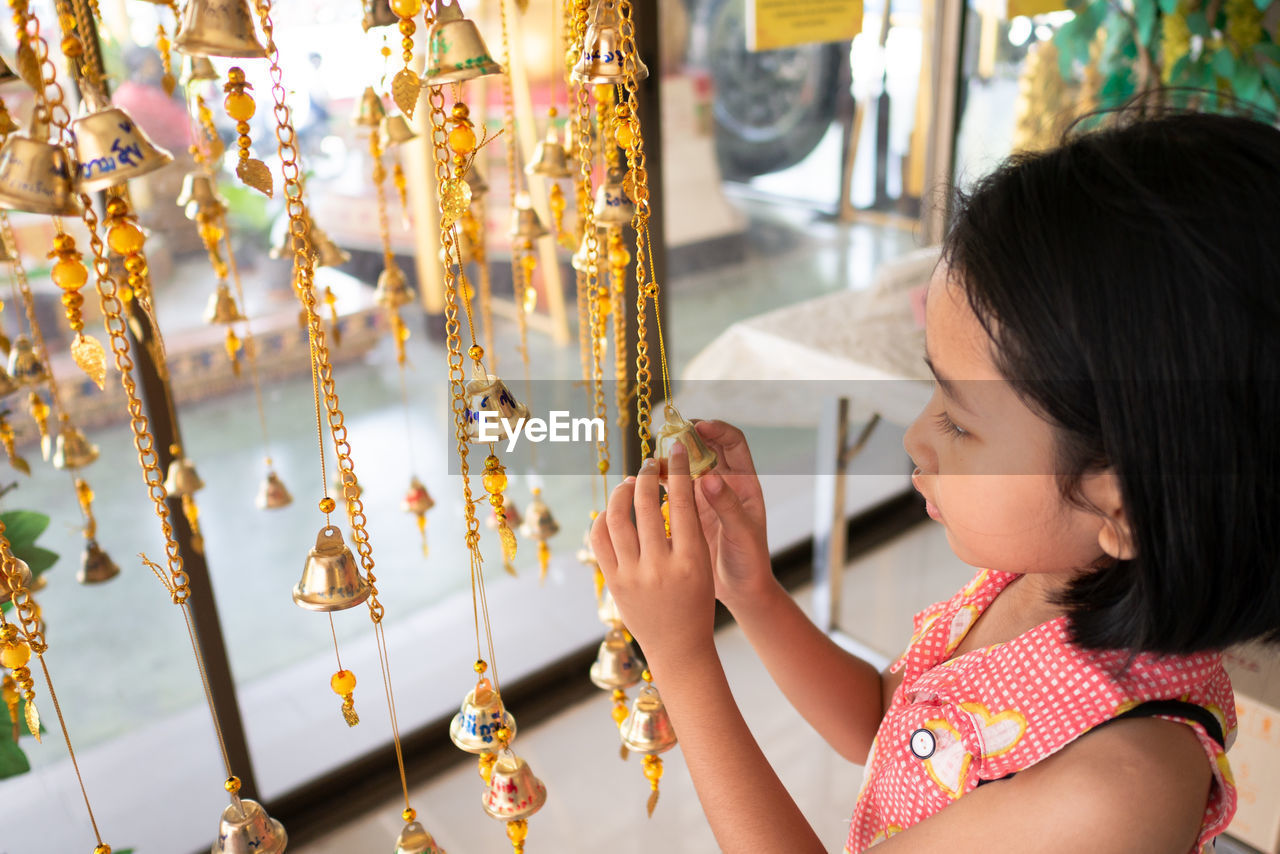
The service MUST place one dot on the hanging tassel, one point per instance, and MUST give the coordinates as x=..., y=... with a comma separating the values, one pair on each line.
x=619, y=714
x=486, y=763
x=517, y=831
x=653, y=772
x=343, y=684
x=544, y=559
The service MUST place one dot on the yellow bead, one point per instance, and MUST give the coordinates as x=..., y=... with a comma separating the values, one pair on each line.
x=72, y=47
x=232, y=785
x=624, y=134
x=494, y=482
x=409, y=814
x=646, y=675
x=503, y=735
x=603, y=465
x=240, y=106
x=69, y=274
x=8, y=633
x=327, y=504
x=104, y=848
x=480, y=666
x=619, y=256
x=604, y=93
x=462, y=139
x=476, y=352
x=343, y=682
x=15, y=654
x=406, y=8
x=125, y=238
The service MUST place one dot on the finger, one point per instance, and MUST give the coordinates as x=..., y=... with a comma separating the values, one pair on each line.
x=602, y=544
x=686, y=532
x=648, y=503
x=729, y=444
x=726, y=504
x=622, y=532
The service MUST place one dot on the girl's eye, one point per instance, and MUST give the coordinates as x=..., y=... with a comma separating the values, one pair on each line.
x=949, y=427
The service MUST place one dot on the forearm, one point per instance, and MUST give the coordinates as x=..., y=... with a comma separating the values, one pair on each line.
x=839, y=694
x=745, y=803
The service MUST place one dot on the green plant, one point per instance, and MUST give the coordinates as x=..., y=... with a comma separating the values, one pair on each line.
x=1198, y=54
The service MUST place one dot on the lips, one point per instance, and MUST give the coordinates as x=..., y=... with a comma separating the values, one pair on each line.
x=929, y=507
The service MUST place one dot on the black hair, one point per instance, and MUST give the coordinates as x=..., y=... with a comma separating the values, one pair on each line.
x=1130, y=283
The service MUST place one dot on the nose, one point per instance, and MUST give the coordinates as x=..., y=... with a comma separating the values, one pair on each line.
x=918, y=447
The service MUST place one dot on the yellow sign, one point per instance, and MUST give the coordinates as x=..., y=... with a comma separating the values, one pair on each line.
x=773, y=24
x=1035, y=7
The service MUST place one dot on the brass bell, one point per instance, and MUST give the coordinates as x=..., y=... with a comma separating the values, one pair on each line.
x=602, y=60
x=455, y=51
x=647, y=728
x=377, y=13
x=539, y=525
x=466, y=247
x=676, y=429
x=369, y=110
x=513, y=793
x=272, y=494
x=196, y=69
x=200, y=195
x=417, y=499
x=331, y=580
x=72, y=450
x=181, y=479
x=474, y=727
x=479, y=186
x=414, y=839
x=95, y=565
x=608, y=611
x=25, y=367
x=525, y=224
x=395, y=129
x=222, y=307
x=616, y=665
x=218, y=28
x=112, y=149
x=247, y=829
x=612, y=206
x=393, y=288
x=35, y=176
x=25, y=579
x=487, y=393
x=550, y=160
x=581, y=260
x=324, y=251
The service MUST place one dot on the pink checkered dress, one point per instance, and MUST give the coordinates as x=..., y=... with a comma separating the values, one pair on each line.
x=955, y=723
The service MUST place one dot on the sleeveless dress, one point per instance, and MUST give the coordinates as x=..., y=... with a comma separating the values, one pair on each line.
x=953, y=725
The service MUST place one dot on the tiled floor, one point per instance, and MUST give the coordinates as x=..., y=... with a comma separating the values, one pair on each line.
x=596, y=802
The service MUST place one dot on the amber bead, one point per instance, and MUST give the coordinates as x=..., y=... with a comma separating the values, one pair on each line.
x=125, y=238
x=69, y=274
x=327, y=504
x=240, y=106
x=343, y=682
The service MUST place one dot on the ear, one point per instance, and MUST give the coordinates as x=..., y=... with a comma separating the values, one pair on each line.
x=1115, y=536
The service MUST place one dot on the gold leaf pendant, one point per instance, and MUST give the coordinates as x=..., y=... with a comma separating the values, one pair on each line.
x=28, y=66
x=255, y=174
x=33, y=720
x=406, y=88
x=455, y=200
x=90, y=358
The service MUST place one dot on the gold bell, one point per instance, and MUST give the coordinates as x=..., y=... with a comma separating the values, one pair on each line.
x=474, y=728
x=466, y=247
x=414, y=839
x=395, y=130
x=377, y=13
x=222, y=307
x=513, y=793
x=393, y=288
x=35, y=176
x=602, y=59
x=581, y=260
x=23, y=572
x=112, y=149
x=331, y=580
x=95, y=565
x=525, y=224
x=200, y=195
x=676, y=429
x=196, y=69
x=616, y=665
x=550, y=160
x=181, y=479
x=25, y=367
x=325, y=252
x=272, y=494
x=369, y=110
x=647, y=728
x=72, y=450
x=612, y=205
x=488, y=394
x=539, y=525
x=608, y=611
x=417, y=499
x=247, y=829
x=479, y=186
x=456, y=52
x=218, y=28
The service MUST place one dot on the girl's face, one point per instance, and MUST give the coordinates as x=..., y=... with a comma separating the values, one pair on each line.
x=984, y=460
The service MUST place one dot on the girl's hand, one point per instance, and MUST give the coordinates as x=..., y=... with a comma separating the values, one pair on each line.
x=731, y=506
x=663, y=587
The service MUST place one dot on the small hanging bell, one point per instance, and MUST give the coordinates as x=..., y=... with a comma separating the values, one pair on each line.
x=647, y=729
x=395, y=130
x=331, y=580
x=95, y=565
x=479, y=186
x=25, y=366
x=581, y=260
x=612, y=206
x=200, y=195
x=414, y=839
x=112, y=149
x=324, y=251
x=455, y=51
x=197, y=69
x=539, y=524
x=182, y=479
x=72, y=450
x=676, y=429
x=393, y=288
x=550, y=160
x=35, y=176
x=513, y=793
x=272, y=494
x=377, y=13
x=247, y=829
x=218, y=28
x=417, y=499
x=616, y=665
x=488, y=394
x=24, y=577
x=603, y=60
x=369, y=110
x=222, y=307
x=525, y=224
x=474, y=728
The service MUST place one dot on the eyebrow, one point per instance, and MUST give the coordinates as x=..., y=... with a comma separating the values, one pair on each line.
x=950, y=387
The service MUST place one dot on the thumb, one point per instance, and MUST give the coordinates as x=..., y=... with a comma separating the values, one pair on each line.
x=728, y=508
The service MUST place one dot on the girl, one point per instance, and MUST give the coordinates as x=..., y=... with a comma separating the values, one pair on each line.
x=1104, y=329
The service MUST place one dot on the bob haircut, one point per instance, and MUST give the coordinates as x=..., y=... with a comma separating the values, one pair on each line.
x=1130, y=283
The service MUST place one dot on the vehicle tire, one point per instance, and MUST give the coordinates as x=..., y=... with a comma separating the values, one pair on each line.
x=771, y=108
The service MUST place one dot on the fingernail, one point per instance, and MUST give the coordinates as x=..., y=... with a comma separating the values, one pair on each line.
x=649, y=464
x=678, y=450
x=629, y=479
